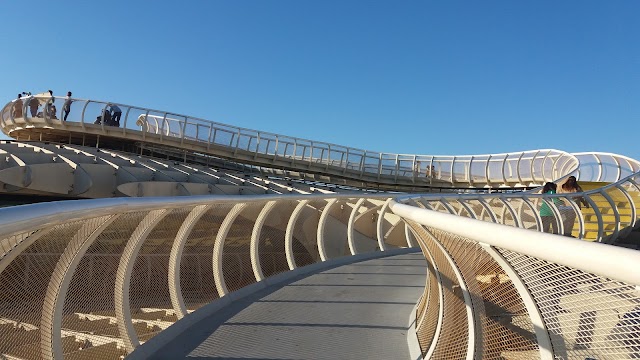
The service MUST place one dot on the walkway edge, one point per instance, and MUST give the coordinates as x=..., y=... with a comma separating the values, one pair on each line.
x=155, y=344
x=415, y=353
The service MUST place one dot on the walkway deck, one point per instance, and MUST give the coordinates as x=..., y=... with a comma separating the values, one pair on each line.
x=355, y=311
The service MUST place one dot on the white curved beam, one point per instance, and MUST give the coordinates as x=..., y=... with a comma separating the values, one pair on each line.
x=51, y=321
x=288, y=236
x=539, y=326
x=255, y=239
x=322, y=251
x=514, y=215
x=489, y=210
x=379, y=230
x=175, y=258
x=218, y=248
x=409, y=235
x=123, y=277
x=352, y=217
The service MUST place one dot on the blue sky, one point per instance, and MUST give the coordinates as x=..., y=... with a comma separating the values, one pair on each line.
x=424, y=77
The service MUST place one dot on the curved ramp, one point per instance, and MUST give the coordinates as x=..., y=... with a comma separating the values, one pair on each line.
x=360, y=309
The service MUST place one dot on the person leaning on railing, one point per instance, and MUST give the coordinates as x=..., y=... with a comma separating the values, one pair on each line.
x=568, y=213
x=17, y=107
x=546, y=214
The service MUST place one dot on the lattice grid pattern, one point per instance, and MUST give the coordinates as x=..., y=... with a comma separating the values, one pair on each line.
x=586, y=315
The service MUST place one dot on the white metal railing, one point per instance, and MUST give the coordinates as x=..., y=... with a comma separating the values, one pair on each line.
x=605, y=167
x=80, y=273
x=503, y=292
x=613, y=210
x=518, y=168
x=106, y=275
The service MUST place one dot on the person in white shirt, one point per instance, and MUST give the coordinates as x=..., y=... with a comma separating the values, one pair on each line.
x=66, y=107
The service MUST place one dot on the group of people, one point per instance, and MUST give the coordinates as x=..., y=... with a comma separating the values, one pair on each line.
x=49, y=109
x=567, y=213
x=110, y=116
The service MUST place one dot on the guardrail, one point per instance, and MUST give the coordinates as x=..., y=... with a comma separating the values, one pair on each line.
x=78, y=278
x=503, y=292
x=99, y=277
x=605, y=167
x=493, y=170
x=106, y=275
x=613, y=212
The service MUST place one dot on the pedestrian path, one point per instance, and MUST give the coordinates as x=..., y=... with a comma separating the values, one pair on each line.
x=355, y=311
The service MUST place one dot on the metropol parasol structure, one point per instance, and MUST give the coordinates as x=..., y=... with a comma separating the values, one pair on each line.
x=163, y=224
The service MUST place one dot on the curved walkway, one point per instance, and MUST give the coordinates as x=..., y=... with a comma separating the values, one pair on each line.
x=355, y=311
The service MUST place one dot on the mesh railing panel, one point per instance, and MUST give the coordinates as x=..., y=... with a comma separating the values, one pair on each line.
x=305, y=235
x=149, y=297
x=336, y=242
x=9, y=243
x=24, y=285
x=88, y=311
x=196, y=272
x=236, y=255
x=453, y=338
x=587, y=316
x=428, y=310
x=504, y=325
x=502, y=329
x=273, y=259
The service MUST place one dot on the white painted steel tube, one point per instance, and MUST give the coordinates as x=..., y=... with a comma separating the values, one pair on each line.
x=601, y=259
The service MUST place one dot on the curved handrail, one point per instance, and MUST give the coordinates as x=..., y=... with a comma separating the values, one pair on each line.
x=550, y=284
x=608, y=261
x=24, y=225
x=491, y=170
x=612, y=208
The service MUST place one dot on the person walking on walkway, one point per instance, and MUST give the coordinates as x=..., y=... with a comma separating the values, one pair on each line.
x=66, y=108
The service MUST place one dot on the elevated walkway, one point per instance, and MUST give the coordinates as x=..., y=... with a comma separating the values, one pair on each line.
x=360, y=310
x=329, y=162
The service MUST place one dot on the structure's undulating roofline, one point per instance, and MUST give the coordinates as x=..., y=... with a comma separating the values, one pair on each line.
x=116, y=275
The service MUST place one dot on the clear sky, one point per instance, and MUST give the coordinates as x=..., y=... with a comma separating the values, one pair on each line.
x=424, y=77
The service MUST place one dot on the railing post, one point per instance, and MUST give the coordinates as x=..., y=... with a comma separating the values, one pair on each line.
x=209, y=137
x=346, y=162
x=124, y=124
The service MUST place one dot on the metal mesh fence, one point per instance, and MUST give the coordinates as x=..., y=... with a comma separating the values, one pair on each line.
x=305, y=239
x=24, y=285
x=336, y=242
x=236, y=259
x=196, y=273
x=88, y=313
x=273, y=259
x=587, y=316
x=149, y=291
x=429, y=307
